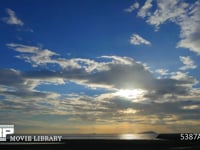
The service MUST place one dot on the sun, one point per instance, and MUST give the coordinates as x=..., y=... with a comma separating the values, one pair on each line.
x=130, y=94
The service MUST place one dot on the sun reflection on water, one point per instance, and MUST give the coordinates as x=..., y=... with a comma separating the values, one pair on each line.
x=127, y=136
x=137, y=136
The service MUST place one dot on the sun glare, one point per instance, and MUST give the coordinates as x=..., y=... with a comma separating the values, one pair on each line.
x=132, y=94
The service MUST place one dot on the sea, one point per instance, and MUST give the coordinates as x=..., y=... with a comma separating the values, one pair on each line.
x=151, y=136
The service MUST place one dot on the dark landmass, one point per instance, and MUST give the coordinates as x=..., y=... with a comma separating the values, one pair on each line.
x=170, y=137
x=148, y=132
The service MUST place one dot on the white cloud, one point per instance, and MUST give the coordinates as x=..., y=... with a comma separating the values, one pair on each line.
x=162, y=71
x=33, y=54
x=100, y=74
x=120, y=60
x=184, y=77
x=190, y=28
x=23, y=48
x=144, y=11
x=138, y=40
x=38, y=56
x=185, y=15
x=134, y=6
x=166, y=11
x=12, y=18
x=188, y=63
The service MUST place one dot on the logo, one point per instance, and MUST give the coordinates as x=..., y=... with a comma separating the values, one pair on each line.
x=5, y=130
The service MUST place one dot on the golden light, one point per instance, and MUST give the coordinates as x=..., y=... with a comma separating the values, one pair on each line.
x=129, y=111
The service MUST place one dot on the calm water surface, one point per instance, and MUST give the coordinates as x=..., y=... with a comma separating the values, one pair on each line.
x=113, y=136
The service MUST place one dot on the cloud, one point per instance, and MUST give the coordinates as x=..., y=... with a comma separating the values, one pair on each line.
x=14, y=83
x=156, y=106
x=185, y=15
x=133, y=75
x=107, y=109
x=184, y=77
x=12, y=18
x=33, y=54
x=191, y=107
x=102, y=74
x=166, y=11
x=162, y=71
x=188, y=63
x=143, y=12
x=23, y=48
x=149, y=100
x=37, y=56
x=134, y=6
x=190, y=29
x=138, y=40
x=118, y=109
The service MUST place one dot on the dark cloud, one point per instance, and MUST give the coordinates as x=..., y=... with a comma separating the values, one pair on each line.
x=164, y=112
x=14, y=83
x=10, y=77
x=25, y=94
x=123, y=76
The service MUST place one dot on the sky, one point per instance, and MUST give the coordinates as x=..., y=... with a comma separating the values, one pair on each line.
x=100, y=66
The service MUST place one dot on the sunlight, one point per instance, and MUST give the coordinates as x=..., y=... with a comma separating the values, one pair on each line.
x=127, y=136
x=132, y=94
